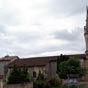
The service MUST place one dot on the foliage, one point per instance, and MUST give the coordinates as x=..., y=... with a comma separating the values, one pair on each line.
x=71, y=66
x=63, y=67
x=51, y=83
x=54, y=82
x=18, y=75
x=61, y=59
x=41, y=84
x=40, y=76
x=25, y=75
x=14, y=75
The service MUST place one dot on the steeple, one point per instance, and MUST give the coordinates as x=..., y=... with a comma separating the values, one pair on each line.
x=87, y=9
x=86, y=32
x=87, y=14
x=86, y=26
x=86, y=42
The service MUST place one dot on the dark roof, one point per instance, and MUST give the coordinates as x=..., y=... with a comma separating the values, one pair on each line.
x=81, y=56
x=39, y=61
x=36, y=61
x=8, y=58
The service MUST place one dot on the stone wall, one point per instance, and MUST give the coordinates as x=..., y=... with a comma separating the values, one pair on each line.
x=27, y=85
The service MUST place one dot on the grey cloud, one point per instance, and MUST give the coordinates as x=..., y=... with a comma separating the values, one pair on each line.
x=12, y=46
x=73, y=47
x=77, y=46
x=67, y=7
x=2, y=29
x=28, y=37
x=24, y=44
x=9, y=17
x=35, y=50
x=77, y=11
x=65, y=35
x=75, y=39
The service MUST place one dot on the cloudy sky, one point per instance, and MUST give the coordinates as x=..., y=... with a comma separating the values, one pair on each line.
x=42, y=27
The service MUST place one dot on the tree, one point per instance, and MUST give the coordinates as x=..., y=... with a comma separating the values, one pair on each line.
x=15, y=76
x=40, y=76
x=25, y=75
x=71, y=66
x=61, y=59
x=74, y=67
x=63, y=70
x=18, y=75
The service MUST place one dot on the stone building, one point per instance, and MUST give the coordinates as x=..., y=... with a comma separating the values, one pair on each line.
x=47, y=65
x=4, y=61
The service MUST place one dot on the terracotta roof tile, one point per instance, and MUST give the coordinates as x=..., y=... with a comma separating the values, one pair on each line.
x=8, y=58
x=39, y=61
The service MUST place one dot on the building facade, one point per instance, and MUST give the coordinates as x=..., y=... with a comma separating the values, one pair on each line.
x=4, y=61
x=47, y=65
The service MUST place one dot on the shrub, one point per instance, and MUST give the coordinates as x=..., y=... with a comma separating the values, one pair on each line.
x=40, y=76
x=71, y=66
x=18, y=75
x=53, y=82
x=41, y=84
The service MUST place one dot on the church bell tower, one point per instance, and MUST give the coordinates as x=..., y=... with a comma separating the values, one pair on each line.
x=86, y=34
x=86, y=41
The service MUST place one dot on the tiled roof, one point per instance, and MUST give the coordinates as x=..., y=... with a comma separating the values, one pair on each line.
x=81, y=56
x=39, y=61
x=8, y=58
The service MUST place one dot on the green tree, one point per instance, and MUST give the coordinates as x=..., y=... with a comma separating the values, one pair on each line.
x=71, y=66
x=60, y=59
x=18, y=75
x=63, y=70
x=15, y=75
x=40, y=76
x=25, y=75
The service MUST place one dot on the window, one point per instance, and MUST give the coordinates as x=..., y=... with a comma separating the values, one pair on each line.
x=34, y=74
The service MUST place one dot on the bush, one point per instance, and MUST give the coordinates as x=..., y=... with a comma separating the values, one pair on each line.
x=71, y=66
x=40, y=76
x=41, y=84
x=18, y=75
x=53, y=82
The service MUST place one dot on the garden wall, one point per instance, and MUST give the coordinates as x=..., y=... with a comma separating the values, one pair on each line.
x=26, y=85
